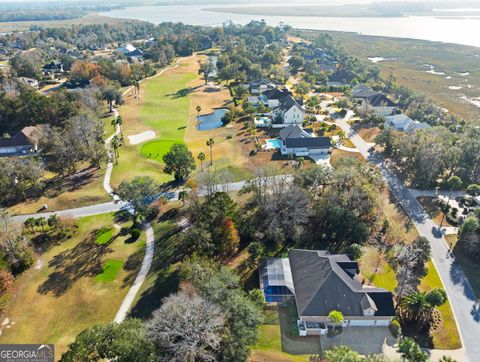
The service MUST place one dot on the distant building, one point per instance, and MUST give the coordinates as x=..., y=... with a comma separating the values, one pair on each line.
x=53, y=68
x=24, y=142
x=372, y=100
x=340, y=78
x=130, y=51
x=320, y=283
x=260, y=86
x=403, y=123
x=29, y=82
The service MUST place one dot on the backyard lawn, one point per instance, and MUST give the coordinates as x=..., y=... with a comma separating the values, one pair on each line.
x=274, y=342
x=74, y=285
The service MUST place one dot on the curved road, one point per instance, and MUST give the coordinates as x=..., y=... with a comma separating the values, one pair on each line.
x=462, y=298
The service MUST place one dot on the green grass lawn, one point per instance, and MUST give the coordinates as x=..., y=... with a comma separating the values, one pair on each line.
x=269, y=345
x=376, y=270
x=447, y=336
x=103, y=235
x=163, y=108
x=110, y=271
x=54, y=302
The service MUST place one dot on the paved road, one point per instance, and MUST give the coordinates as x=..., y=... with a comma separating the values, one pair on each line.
x=460, y=293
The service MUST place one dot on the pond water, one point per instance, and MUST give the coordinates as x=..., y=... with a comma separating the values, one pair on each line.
x=214, y=72
x=212, y=120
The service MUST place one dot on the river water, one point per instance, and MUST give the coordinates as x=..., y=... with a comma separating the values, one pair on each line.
x=460, y=29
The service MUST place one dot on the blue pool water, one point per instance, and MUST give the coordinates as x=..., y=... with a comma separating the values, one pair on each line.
x=273, y=144
x=212, y=120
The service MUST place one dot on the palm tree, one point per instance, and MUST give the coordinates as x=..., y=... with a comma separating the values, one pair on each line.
x=199, y=109
x=201, y=157
x=114, y=125
x=41, y=221
x=30, y=222
x=115, y=145
x=119, y=122
x=136, y=85
x=210, y=143
x=416, y=306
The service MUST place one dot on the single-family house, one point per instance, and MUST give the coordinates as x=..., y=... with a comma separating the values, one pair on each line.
x=288, y=112
x=53, y=68
x=363, y=91
x=403, y=123
x=340, y=78
x=320, y=282
x=297, y=142
x=379, y=104
x=130, y=50
x=260, y=86
x=28, y=82
x=24, y=142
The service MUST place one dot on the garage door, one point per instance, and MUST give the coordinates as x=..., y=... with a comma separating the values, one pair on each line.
x=362, y=323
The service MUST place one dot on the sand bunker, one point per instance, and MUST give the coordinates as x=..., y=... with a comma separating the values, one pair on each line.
x=141, y=137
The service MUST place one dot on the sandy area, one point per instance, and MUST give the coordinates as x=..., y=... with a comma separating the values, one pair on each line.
x=141, y=137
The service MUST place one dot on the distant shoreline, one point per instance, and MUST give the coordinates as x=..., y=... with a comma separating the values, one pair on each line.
x=339, y=11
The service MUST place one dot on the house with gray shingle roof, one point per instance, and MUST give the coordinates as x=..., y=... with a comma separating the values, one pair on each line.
x=320, y=282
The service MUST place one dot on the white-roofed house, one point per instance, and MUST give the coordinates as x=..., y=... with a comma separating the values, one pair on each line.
x=403, y=123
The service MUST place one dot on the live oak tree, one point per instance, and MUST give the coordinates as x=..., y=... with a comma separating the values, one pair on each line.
x=205, y=69
x=187, y=327
x=179, y=161
x=242, y=312
x=137, y=193
x=122, y=342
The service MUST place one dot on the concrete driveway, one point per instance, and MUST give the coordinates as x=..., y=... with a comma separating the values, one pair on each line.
x=364, y=340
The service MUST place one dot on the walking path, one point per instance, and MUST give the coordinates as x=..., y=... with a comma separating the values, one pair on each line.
x=466, y=308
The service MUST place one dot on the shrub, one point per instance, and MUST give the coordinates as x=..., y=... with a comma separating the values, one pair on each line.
x=355, y=250
x=135, y=233
x=6, y=281
x=395, y=328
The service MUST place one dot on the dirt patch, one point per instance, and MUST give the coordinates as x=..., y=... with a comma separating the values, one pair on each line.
x=369, y=134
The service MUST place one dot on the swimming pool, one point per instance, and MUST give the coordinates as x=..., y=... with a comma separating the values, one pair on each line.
x=273, y=144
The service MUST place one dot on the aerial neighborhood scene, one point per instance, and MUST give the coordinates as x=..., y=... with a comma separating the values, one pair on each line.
x=226, y=181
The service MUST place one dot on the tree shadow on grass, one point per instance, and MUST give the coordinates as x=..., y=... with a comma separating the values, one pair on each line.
x=182, y=92
x=83, y=260
x=167, y=252
x=167, y=282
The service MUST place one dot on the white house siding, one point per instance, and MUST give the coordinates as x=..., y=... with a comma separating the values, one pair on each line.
x=294, y=115
x=318, y=151
x=383, y=111
x=361, y=323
